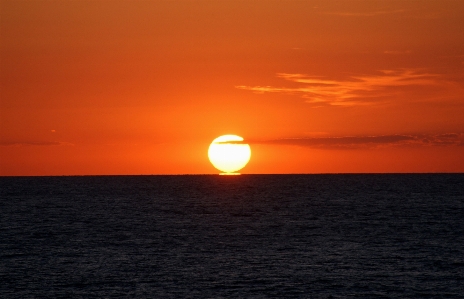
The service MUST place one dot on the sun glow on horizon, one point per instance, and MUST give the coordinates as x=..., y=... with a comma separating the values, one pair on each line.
x=229, y=154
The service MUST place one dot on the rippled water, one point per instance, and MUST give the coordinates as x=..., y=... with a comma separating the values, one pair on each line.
x=249, y=236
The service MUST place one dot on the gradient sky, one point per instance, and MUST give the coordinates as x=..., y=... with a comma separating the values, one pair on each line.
x=143, y=87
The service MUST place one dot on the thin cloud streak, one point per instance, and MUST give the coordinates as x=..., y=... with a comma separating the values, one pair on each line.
x=379, y=141
x=365, y=14
x=358, y=90
x=232, y=142
x=393, y=52
x=404, y=13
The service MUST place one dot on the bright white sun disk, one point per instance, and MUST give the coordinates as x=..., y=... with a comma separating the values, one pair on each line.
x=228, y=153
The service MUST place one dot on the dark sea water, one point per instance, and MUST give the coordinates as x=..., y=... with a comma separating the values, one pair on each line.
x=249, y=236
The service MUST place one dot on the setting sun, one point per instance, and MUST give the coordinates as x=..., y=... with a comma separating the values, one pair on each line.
x=317, y=86
x=228, y=153
x=131, y=125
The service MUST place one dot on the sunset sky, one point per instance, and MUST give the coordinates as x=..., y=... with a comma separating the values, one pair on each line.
x=143, y=87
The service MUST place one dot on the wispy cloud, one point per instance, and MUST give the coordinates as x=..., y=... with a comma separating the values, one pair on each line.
x=356, y=90
x=379, y=141
x=35, y=143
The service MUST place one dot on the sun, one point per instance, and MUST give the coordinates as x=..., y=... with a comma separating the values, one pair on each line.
x=229, y=154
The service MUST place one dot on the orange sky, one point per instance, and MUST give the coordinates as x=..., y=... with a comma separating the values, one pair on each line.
x=143, y=87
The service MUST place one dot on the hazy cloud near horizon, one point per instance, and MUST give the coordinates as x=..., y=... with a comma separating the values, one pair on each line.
x=34, y=143
x=356, y=142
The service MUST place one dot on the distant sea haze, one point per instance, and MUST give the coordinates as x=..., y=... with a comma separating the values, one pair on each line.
x=248, y=236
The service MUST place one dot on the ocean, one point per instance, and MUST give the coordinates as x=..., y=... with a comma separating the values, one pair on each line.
x=247, y=236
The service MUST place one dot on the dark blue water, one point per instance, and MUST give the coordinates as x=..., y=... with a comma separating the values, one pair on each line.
x=249, y=236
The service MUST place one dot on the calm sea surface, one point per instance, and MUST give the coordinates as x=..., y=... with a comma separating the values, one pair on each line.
x=249, y=236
